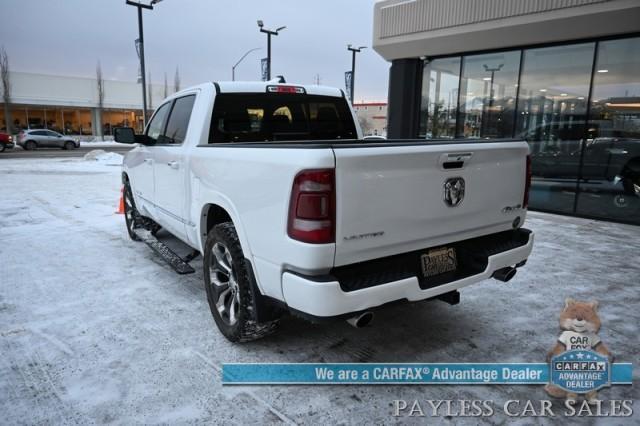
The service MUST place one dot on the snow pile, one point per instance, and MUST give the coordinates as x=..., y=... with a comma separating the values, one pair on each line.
x=100, y=144
x=106, y=158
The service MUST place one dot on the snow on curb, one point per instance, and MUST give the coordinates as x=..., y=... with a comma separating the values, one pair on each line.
x=103, y=157
x=100, y=144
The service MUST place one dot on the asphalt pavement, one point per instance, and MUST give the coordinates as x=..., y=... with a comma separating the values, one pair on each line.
x=18, y=152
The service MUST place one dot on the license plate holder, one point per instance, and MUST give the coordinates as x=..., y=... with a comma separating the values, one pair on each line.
x=438, y=261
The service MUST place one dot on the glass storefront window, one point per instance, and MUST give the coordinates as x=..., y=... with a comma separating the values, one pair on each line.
x=578, y=106
x=610, y=184
x=551, y=116
x=68, y=120
x=488, y=89
x=439, y=98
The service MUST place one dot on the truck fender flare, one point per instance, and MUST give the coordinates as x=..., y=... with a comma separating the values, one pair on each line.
x=233, y=217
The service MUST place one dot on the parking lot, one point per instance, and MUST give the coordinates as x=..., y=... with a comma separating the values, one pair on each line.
x=94, y=328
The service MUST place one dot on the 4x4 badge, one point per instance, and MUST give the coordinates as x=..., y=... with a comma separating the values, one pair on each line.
x=453, y=191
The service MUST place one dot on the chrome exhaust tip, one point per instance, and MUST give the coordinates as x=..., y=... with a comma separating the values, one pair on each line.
x=361, y=320
x=505, y=274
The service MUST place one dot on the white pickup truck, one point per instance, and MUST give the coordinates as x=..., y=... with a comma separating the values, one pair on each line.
x=293, y=211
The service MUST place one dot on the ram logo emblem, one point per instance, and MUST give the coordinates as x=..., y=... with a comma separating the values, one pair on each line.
x=453, y=191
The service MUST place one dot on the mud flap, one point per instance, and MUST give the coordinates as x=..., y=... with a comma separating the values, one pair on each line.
x=175, y=261
x=265, y=308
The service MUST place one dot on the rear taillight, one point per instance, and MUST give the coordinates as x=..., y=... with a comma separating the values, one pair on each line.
x=527, y=184
x=312, y=209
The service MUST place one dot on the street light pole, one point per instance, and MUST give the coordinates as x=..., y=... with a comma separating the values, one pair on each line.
x=141, y=6
x=268, y=55
x=269, y=33
x=353, y=50
x=233, y=68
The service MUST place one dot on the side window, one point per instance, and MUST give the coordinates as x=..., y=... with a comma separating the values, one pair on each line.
x=179, y=120
x=156, y=126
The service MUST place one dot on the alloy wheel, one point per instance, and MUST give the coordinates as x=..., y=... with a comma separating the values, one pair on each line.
x=131, y=214
x=224, y=283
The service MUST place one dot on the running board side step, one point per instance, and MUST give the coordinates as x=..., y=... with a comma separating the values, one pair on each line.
x=175, y=261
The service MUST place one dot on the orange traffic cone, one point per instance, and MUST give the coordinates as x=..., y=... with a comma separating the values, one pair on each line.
x=121, y=204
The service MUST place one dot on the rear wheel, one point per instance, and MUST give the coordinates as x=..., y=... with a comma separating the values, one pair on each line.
x=2, y=147
x=631, y=177
x=132, y=218
x=68, y=145
x=30, y=145
x=228, y=287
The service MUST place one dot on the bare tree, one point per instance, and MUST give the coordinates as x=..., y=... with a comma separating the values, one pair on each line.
x=6, y=88
x=150, y=92
x=166, y=86
x=176, y=81
x=100, y=83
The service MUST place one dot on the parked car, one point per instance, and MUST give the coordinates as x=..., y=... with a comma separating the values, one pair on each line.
x=292, y=211
x=6, y=141
x=607, y=154
x=43, y=138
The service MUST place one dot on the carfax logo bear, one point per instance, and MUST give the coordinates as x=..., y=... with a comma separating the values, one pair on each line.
x=579, y=362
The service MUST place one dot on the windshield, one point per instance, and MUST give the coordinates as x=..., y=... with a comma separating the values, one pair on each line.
x=260, y=117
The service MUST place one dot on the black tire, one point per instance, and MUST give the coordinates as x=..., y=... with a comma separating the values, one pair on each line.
x=236, y=292
x=30, y=145
x=132, y=218
x=631, y=186
x=69, y=145
x=2, y=147
x=631, y=178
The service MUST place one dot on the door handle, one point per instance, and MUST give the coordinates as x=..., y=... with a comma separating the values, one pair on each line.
x=455, y=160
x=173, y=164
x=148, y=160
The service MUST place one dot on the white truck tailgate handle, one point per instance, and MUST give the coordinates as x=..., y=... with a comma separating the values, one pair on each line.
x=454, y=160
x=174, y=165
x=148, y=160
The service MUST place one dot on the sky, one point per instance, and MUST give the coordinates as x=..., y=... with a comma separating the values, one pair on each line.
x=204, y=38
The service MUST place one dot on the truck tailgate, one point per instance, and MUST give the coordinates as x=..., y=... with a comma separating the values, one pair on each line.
x=390, y=199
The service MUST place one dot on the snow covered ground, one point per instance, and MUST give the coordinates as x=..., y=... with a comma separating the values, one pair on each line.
x=94, y=328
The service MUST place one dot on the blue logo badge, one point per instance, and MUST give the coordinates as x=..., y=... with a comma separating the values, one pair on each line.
x=580, y=371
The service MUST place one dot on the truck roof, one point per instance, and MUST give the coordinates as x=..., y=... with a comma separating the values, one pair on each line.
x=261, y=87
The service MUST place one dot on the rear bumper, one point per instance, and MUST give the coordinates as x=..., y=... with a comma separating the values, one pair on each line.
x=325, y=296
x=8, y=145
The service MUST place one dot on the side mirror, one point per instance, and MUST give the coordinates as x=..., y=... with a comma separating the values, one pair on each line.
x=124, y=135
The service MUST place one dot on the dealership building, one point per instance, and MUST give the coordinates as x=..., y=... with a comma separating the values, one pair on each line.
x=372, y=117
x=562, y=74
x=70, y=105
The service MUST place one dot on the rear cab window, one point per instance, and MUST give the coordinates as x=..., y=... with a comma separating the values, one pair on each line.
x=273, y=117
